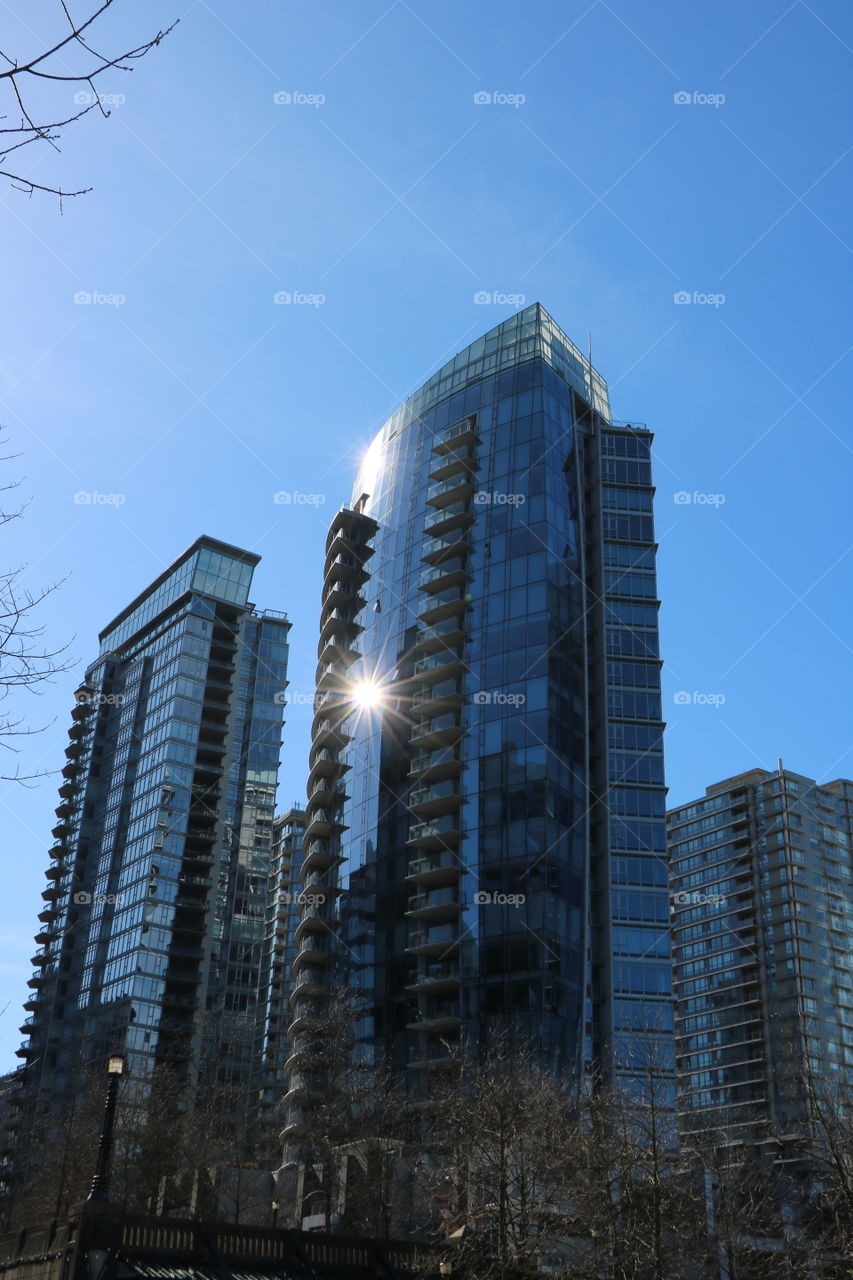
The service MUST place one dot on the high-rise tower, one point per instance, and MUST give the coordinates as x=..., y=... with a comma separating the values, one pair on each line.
x=152, y=937
x=762, y=880
x=486, y=798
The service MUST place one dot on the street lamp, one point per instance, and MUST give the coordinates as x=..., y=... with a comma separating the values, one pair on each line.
x=101, y=1181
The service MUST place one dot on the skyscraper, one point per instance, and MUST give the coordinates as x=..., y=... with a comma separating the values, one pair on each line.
x=152, y=932
x=486, y=802
x=762, y=881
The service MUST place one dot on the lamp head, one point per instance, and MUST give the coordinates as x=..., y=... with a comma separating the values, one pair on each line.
x=115, y=1064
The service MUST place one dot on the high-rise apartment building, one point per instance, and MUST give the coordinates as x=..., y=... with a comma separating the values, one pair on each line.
x=762, y=927
x=152, y=933
x=486, y=797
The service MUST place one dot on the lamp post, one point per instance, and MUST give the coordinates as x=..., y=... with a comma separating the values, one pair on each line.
x=101, y=1181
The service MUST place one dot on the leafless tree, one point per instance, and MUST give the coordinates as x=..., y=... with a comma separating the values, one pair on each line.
x=70, y=61
x=26, y=663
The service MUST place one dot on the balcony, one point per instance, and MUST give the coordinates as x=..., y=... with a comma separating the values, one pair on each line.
x=456, y=516
x=325, y=763
x=435, y=904
x=61, y=830
x=322, y=822
x=437, y=699
x=340, y=624
x=445, y=493
x=327, y=791
x=440, y=940
x=435, y=799
x=459, y=434
x=320, y=856
x=326, y=733
x=440, y=731
x=310, y=984
x=435, y=766
x=450, y=573
x=437, y=833
x=438, y=1016
x=436, y=550
x=314, y=949
x=437, y=978
x=447, y=635
x=459, y=461
x=443, y=604
x=437, y=868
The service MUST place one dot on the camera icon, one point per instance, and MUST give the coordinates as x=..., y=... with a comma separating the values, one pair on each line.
x=682, y=698
x=680, y=899
x=481, y=698
x=482, y=99
x=280, y=697
x=482, y=298
x=482, y=499
x=681, y=98
x=682, y=498
x=482, y=897
x=682, y=297
x=282, y=99
x=83, y=899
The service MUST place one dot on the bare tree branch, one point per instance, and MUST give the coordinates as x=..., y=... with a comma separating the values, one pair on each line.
x=50, y=66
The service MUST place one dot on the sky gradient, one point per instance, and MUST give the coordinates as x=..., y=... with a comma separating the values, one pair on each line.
x=427, y=169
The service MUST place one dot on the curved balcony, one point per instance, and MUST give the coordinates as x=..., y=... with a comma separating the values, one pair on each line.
x=49, y=915
x=354, y=524
x=341, y=624
x=304, y=1053
x=332, y=707
x=55, y=872
x=347, y=571
x=310, y=985
x=305, y=1086
x=67, y=789
x=313, y=950
x=325, y=764
x=439, y=732
x=72, y=751
x=335, y=653
x=57, y=851
x=318, y=882
x=436, y=699
x=63, y=809
x=338, y=596
x=71, y=770
x=40, y=958
x=61, y=830
x=435, y=904
x=314, y=919
x=320, y=857
x=53, y=891
x=321, y=822
x=326, y=732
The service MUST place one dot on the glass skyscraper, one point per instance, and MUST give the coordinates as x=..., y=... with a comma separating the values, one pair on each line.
x=486, y=804
x=152, y=934
x=762, y=880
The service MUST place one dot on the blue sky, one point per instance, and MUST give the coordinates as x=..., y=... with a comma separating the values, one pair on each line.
x=190, y=398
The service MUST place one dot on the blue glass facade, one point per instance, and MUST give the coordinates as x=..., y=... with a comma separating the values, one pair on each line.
x=153, y=928
x=501, y=807
x=762, y=881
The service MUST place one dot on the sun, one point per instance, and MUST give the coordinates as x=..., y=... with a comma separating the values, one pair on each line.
x=367, y=694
